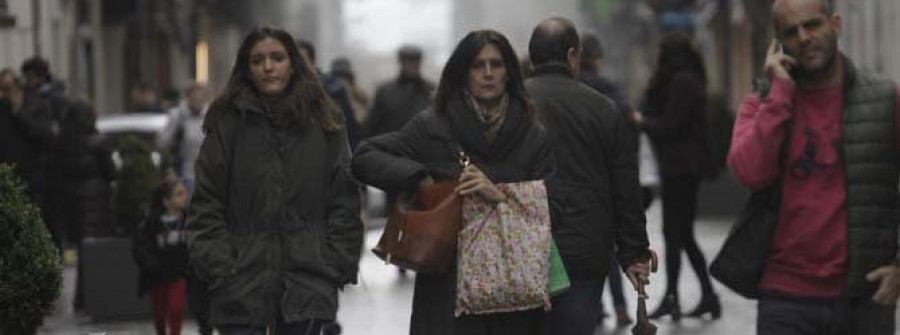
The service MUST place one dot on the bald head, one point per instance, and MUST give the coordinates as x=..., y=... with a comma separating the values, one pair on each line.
x=552, y=41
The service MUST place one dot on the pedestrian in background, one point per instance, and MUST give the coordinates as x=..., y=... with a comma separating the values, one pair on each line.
x=594, y=195
x=675, y=121
x=144, y=99
x=160, y=250
x=825, y=135
x=45, y=103
x=8, y=81
x=342, y=69
x=275, y=216
x=397, y=101
x=481, y=108
x=183, y=134
x=337, y=91
x=27, y=138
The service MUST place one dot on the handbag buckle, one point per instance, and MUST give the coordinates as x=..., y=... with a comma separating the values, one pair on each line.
x=464, y=160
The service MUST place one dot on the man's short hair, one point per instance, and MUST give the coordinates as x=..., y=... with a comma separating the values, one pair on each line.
x=551, y=41
x=826, y=7
x=409, y=53
x=591, y=47
x=38, y=66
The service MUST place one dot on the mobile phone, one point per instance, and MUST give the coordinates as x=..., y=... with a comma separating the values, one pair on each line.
x=780, y=49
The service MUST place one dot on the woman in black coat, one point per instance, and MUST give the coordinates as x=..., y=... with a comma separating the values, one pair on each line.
x=676, y=124
x=482, y=108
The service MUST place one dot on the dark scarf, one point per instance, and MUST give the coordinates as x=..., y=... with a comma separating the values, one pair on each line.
x=467, y=129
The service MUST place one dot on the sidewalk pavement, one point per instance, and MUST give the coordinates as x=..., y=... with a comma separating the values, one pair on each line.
x=381, y=302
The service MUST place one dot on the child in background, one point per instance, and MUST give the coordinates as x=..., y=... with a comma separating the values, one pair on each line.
x=160, y=250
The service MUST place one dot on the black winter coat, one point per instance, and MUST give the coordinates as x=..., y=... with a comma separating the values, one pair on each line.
x=86, y=167
x=275, y=217
x=595, y=194
x=428, y=145
x=676, y=124
x=160, y=250
x=26, y=139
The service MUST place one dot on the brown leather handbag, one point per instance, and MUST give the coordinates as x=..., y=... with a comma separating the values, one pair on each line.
x=422, y=237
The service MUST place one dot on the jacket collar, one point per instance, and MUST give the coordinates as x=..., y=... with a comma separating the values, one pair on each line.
x=248, y=101
x=553, y=68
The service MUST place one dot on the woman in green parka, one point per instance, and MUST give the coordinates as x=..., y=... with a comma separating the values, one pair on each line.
x=275, y=217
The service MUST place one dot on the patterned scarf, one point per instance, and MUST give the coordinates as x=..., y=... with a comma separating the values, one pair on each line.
x=490, y=118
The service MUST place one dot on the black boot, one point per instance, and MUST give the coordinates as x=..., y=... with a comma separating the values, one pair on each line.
x=669, y=306
x=708, y=304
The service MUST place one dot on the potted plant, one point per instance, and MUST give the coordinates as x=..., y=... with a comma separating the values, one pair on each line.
x=30, y=267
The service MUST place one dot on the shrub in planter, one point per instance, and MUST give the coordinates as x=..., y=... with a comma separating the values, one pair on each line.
x=30, y=268
x=134, y=183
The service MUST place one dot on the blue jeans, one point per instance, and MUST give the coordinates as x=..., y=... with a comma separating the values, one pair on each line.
x=575, y=311
x=779, y=315
x=295, y=328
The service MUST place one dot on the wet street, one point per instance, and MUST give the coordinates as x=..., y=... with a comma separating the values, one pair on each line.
x=380, y=303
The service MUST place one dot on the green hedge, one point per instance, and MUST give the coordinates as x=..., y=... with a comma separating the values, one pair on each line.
x=30, y=268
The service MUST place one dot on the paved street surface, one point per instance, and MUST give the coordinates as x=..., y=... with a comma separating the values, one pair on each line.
x=380, y=304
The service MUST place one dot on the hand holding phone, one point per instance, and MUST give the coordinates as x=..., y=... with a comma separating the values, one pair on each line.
x=778, y=63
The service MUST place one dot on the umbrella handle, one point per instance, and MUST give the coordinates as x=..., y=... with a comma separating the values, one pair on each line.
x=654, y=266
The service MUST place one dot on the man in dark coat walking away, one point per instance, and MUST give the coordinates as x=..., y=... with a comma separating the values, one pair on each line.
x=594, y=196
x=397, y=101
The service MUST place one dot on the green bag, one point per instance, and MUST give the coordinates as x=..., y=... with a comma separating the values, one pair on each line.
x=559, y=279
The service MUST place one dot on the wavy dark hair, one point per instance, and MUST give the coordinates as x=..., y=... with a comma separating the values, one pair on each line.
x=307, y=101
x=676, y=53
x=454, y=77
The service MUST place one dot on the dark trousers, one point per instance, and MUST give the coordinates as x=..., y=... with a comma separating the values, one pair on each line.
x=296, y=328
x=805, y=316
x=679, y=196
x=615, y=286
x=575, y=311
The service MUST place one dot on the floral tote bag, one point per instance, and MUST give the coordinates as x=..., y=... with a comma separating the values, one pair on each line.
x=504, y=252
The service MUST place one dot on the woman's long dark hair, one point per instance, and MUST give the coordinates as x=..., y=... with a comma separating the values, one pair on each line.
x=304, y=95
x=454, y=78
x=676, y=53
